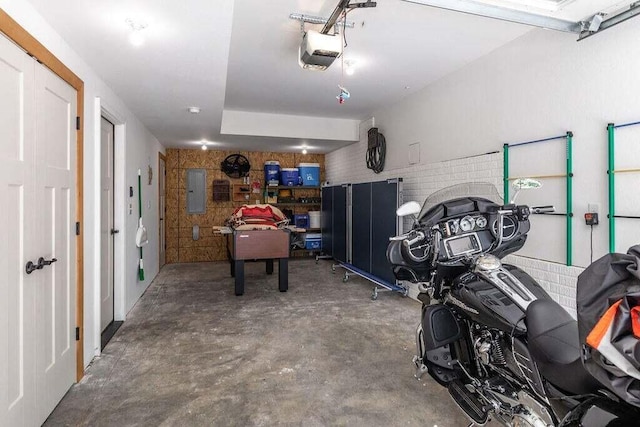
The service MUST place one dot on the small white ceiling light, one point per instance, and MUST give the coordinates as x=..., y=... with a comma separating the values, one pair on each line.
x=136, y=38
x=194, y=110
x=204, y=143
x=204, y=147
x=304, y=151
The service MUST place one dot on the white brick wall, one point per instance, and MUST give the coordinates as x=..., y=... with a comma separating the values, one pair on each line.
x=347, y=165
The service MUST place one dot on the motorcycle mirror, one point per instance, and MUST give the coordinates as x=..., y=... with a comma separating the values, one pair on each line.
x=409, y=208
x=524, y=184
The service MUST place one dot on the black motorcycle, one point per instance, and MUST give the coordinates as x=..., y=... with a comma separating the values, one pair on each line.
x=489, y=332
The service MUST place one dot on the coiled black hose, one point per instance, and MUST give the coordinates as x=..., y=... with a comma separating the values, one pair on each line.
x=376, y=154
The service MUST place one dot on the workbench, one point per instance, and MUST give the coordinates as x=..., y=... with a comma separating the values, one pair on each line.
x=258, y=245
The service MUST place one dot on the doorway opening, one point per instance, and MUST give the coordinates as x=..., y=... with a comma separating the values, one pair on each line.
x=162, y=175
x=108, y=233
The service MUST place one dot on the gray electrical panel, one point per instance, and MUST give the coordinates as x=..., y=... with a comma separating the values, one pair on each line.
x=196, y=191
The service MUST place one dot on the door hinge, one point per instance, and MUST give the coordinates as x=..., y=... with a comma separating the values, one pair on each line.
x=77, y=334
x=77, y=122
x=77, y=228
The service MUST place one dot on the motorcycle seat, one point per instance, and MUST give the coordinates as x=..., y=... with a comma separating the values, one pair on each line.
x=555, y=346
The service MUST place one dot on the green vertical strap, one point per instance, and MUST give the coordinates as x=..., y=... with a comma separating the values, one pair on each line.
x=612, y=192
x=505, y=173
x=569, y=198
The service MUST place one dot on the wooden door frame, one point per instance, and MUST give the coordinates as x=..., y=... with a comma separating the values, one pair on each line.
x=34, y=48
x=162, y=158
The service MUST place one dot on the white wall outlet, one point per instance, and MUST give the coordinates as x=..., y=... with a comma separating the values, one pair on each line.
x=593, y=208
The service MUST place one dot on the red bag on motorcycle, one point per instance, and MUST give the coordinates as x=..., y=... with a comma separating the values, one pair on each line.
x=608, y=303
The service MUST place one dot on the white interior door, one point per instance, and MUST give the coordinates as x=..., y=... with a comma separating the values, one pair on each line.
x=37, y=213
x=17, y=246
x=161, y=205
x=55, y=227
x=107, y=224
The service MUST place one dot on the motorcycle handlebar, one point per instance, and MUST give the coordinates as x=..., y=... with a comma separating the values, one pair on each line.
x=542, y=209
x=419, y=236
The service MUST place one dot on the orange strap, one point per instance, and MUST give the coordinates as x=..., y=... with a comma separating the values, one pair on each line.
x=635, y=321
x=598, y=332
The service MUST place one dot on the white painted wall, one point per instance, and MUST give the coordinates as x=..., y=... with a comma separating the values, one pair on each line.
x=139, y=148
x=540, y=85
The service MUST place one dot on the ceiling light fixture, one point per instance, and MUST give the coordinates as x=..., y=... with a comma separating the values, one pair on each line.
x=136, y=38
x=194, y=110
x=304, y=151
x=204, y=147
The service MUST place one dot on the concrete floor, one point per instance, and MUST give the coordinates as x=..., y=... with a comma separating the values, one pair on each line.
x=193, y=354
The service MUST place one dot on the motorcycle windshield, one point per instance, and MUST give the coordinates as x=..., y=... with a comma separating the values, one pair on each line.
x=468, y=189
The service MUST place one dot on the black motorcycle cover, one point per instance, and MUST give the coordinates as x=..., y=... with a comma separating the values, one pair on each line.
x=608, y=303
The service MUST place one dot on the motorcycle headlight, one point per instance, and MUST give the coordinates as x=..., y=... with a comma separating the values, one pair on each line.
x=488, y=262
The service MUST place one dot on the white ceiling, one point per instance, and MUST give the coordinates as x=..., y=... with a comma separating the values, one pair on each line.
x=242, y=55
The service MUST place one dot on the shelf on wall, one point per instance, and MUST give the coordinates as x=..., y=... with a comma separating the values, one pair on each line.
x=296, y=204
x=244, y=193
x=292, y=187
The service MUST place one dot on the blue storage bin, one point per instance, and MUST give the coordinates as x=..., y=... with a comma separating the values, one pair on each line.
x=310, y=174
x=271, y=172
x=289, y=176
x=313, y=241
x=301, y=220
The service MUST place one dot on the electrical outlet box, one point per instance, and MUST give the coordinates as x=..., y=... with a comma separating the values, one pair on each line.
x=591, y=218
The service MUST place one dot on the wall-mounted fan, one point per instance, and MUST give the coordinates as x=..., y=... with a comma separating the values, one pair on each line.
x=235, y=166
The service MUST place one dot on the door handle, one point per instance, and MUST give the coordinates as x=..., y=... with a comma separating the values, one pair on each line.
x=114, y=231
x=43, y=262
x=31, y=267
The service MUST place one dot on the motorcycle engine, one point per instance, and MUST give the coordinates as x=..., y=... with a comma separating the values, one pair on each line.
x=492, y=351
x=488, y=347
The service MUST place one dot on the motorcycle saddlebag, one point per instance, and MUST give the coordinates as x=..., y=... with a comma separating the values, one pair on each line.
x=439, y=326
x=608, y=303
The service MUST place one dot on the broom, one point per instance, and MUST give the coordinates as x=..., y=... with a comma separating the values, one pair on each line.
x=141, y=234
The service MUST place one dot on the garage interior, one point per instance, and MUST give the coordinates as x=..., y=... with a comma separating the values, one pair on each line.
x=113, y=327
